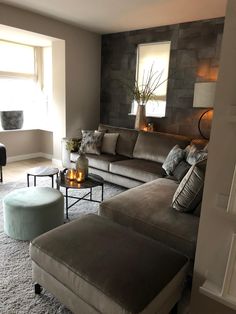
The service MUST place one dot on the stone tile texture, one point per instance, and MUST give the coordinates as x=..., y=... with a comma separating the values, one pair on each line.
x=192, y=44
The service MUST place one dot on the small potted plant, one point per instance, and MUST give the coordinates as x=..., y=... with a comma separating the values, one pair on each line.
x=73, y=144
x=69, y=145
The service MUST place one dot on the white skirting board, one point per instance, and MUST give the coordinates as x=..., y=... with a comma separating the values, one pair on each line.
x=28, y=156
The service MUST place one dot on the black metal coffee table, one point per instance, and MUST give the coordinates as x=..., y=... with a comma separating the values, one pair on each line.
x=42, y=172
x=91, y=182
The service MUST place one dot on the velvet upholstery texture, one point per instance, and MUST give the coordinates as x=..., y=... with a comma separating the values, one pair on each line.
x=29, y=212
x=138, y=169
x=109, y=267
x=99, y=161
x=126, y=140
x=116, y=178
x=156, y=146
x=109, y=142
x=189, y=192
x=181, y=169
x=147, y=209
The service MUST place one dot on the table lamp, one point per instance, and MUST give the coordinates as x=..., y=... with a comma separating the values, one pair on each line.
x=204, y=97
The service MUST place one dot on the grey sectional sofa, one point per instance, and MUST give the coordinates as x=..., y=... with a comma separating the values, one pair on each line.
x=146, y=207
x=147, y=210
x=102, y=274
x=139, y=156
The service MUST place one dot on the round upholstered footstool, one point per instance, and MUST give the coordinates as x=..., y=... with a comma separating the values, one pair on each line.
x=29, y=212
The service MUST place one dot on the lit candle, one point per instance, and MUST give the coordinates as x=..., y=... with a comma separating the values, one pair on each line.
x=80, y=175
x=71, y=174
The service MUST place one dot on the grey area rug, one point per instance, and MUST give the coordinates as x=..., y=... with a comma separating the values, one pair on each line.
x=16, y=286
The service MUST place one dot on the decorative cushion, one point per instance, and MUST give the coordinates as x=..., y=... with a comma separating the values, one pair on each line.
x=194, y=155
x=109, y=143
x=91, y=142
x=173, y=158
x=181, y=169
x=126, y=139
x=189, y=192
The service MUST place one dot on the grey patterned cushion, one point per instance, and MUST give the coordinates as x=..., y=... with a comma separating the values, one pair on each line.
x=173, y=158
x=91, y=142
x=194, y=155
x=189, y=192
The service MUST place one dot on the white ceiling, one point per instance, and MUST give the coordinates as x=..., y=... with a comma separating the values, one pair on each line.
x=110, y=16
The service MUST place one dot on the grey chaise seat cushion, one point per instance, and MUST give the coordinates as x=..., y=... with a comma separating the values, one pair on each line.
x=99, y=161
x=147, y=209
x=110, y=268
x=138, y=169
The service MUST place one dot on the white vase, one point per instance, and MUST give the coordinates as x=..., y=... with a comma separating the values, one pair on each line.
x=65, y=154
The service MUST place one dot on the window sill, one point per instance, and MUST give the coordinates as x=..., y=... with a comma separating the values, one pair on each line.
x=148, y=116
x=23, y=129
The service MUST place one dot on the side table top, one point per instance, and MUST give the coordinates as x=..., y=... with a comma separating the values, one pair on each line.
x=91, y=181
x=42, y=171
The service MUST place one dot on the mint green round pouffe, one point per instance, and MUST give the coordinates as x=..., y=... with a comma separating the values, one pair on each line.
x=29, y=212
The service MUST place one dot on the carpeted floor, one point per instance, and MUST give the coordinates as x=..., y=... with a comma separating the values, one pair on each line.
x=16, y=287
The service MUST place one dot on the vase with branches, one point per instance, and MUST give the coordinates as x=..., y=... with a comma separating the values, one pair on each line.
x=142, y=93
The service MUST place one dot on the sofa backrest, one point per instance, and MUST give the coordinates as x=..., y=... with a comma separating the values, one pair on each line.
x=126, y=140
x=155, y=146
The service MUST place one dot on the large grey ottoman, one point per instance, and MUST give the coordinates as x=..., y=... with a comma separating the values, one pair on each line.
x=94, y=265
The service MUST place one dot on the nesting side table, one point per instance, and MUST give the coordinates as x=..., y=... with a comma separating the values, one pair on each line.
x=42, y=172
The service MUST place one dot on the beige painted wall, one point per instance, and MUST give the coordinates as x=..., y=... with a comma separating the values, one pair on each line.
x=46, y=139
x=216, y=226
x=82, y=66
x=20, y=143
x=58, y=119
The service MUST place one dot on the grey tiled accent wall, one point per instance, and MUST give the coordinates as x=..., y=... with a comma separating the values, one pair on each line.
x=191, y=44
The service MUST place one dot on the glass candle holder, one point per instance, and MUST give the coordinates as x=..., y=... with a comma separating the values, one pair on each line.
x=80, y=175
x=71, y=174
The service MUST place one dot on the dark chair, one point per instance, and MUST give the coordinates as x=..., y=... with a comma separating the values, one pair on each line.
x=3, y=159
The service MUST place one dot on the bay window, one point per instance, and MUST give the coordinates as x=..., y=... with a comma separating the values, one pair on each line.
x=21, y=86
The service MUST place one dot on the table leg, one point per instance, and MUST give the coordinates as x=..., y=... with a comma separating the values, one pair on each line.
x=27, y=179
x=34, y=180
x=52, y=181
x=91, y=195
x=67, y=203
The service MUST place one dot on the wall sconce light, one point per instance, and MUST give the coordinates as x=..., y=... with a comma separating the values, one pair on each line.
x=204, y=97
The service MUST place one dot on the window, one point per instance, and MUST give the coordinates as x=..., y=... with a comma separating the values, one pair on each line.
x=16, y=59
x=153, y=56
x=20, y=81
